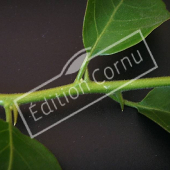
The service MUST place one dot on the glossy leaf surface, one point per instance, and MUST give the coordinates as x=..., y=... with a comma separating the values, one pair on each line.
x=109, y=21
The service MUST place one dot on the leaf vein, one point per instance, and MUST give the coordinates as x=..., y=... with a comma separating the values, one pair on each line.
x=95, y=23
x=2, y=150
x=22, y=158
x=135, y=28
x=113, y=4
x=3, y=130
x=28, y=144
x=131, y=6
x=108, y=23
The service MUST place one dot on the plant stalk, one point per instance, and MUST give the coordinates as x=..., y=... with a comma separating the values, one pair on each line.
x=83, y=87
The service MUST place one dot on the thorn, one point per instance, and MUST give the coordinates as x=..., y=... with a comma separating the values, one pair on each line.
x=120, y=99
x=15, y=113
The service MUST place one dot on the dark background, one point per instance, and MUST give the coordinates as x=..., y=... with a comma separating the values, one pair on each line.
x=36, y=40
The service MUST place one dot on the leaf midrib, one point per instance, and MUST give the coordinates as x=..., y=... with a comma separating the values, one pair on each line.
x=152, y=110
x=108, y=23
x=11, y=146
x=140, y=106
x=137, y=105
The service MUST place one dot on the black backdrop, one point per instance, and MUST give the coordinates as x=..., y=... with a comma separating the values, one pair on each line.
x=36, y=40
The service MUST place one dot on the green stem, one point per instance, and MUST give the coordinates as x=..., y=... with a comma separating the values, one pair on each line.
x=83, y=87
x=130, y=104
x=83, y=68
x=9, y=120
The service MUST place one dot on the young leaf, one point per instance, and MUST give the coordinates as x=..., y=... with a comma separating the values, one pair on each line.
x=18, y=151
x=156, y=106
x=109, y=21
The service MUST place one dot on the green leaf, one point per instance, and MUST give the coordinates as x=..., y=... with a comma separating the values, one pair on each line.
x=18, y=151
x=108, y=21
x=156, y=106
